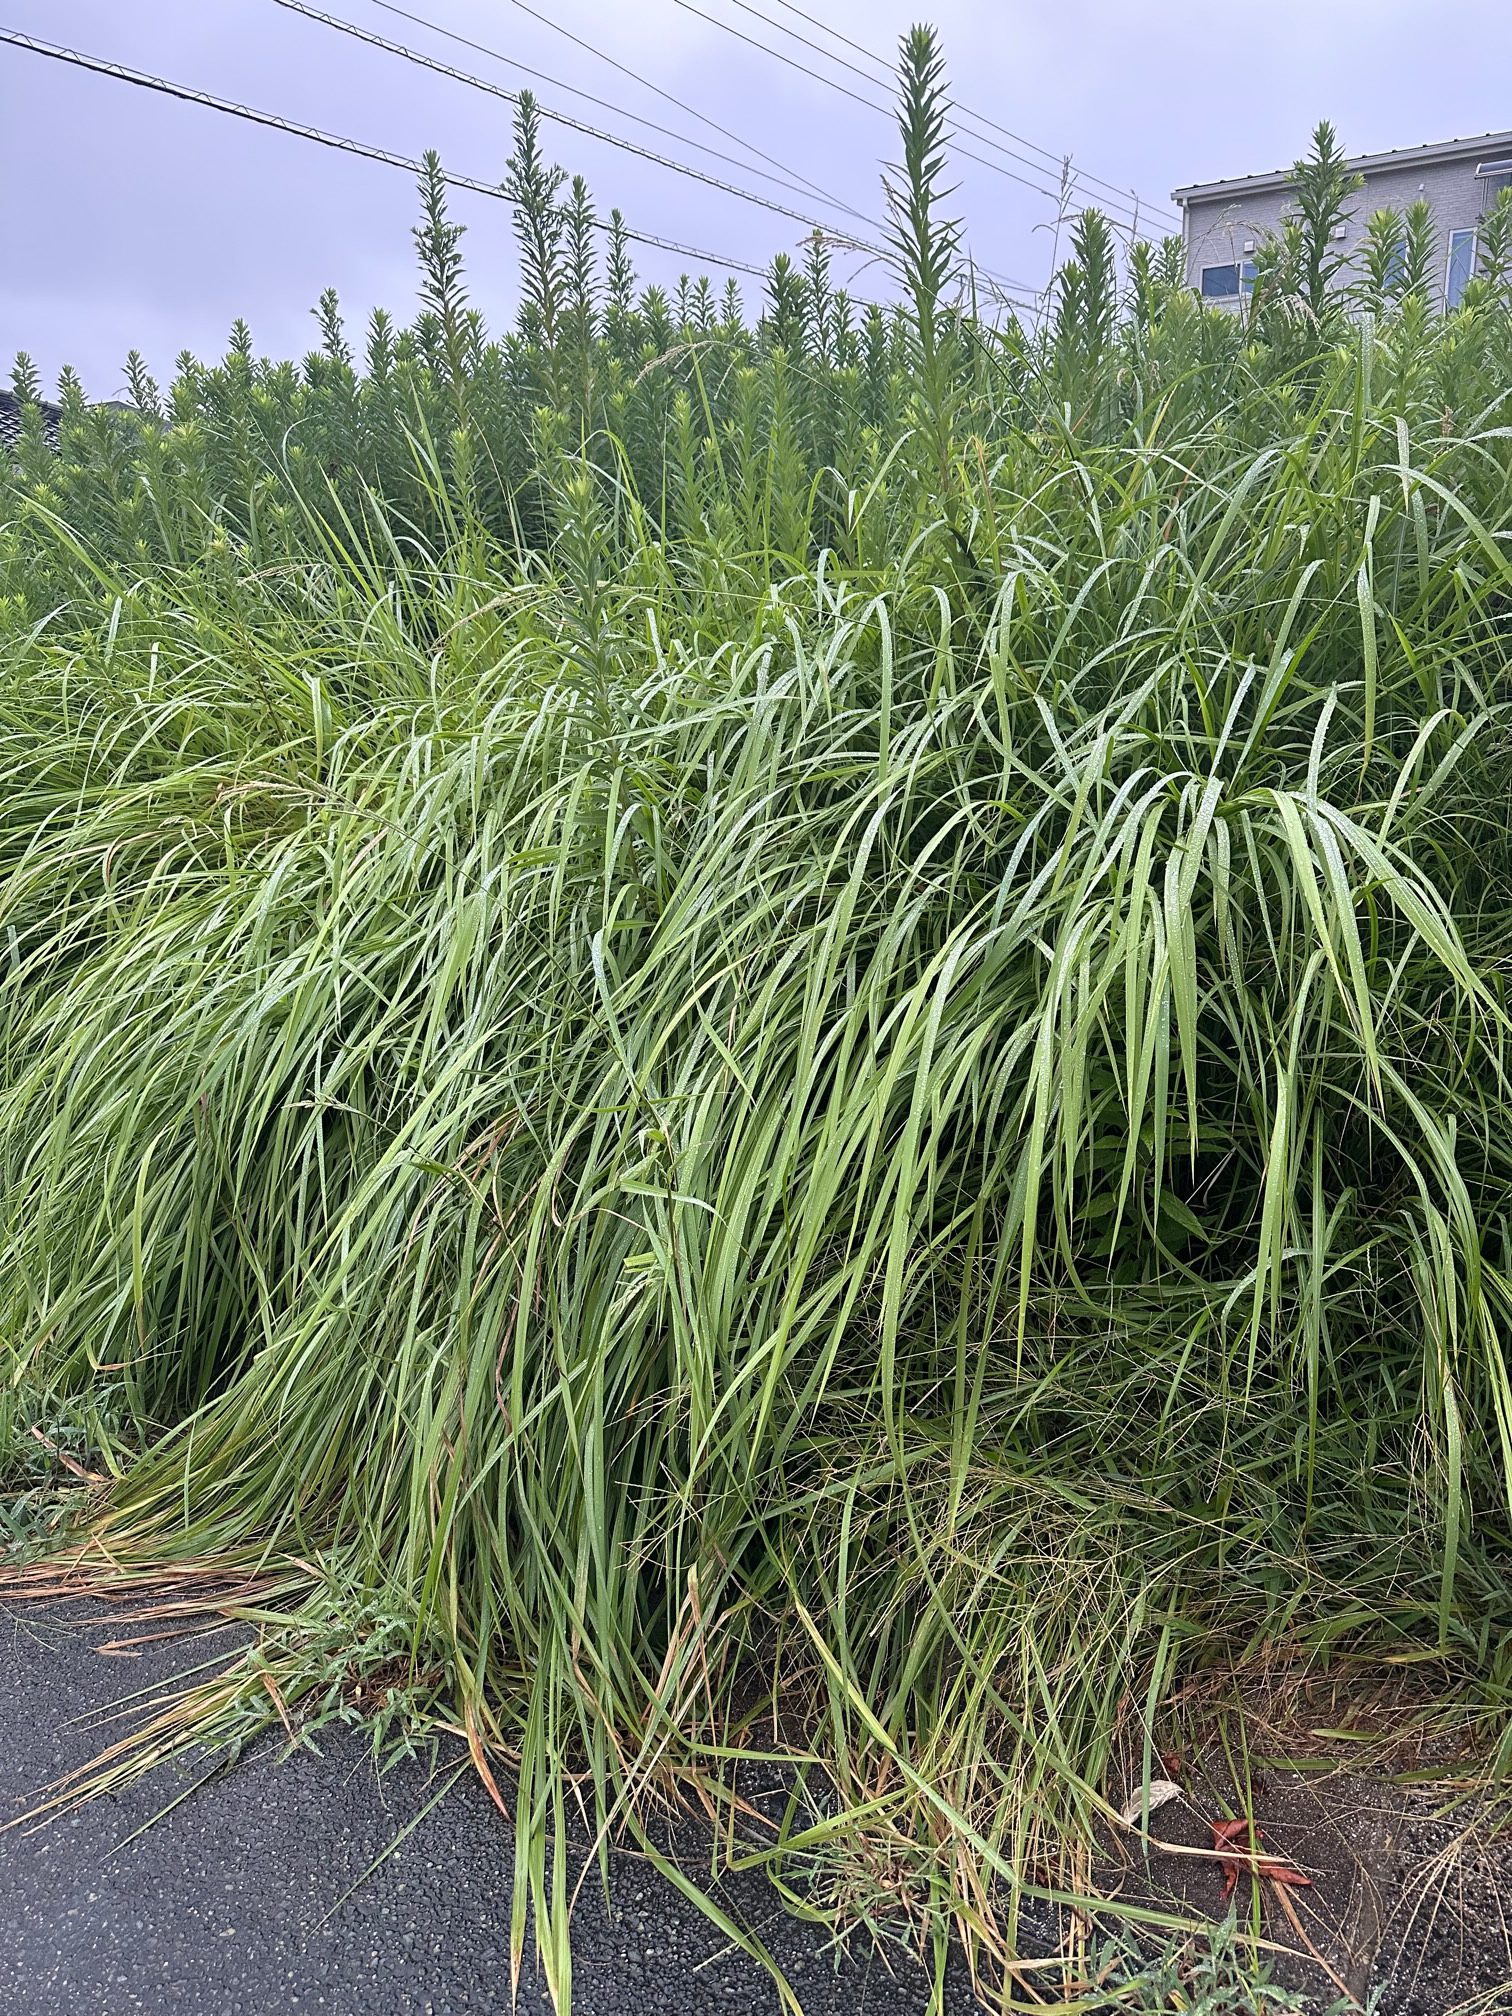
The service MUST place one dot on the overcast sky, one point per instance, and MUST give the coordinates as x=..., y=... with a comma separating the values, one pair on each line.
x=127, y=218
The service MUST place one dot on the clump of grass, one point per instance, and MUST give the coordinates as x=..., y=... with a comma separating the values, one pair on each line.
x=776, y=1136
x=1215, y=1974
x=54, y=1451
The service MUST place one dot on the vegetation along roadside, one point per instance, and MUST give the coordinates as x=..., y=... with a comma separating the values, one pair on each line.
x=731, y=1041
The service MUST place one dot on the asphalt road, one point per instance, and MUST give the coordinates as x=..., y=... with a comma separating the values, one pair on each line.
x=232, y=1904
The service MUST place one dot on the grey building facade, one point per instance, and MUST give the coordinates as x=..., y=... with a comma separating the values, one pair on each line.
x=1224, y=222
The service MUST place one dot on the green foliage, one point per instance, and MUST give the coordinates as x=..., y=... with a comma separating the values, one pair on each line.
x=1298, y=296
x=926, y=245
x=1381, y=260
x=732, y=1126
x=438, y=245
x=541, y=226
x=582, y=262
x=1496, y=248
x=1086, y=306
x=787, y=314
x=26, y=386
x=1321, y=206
x=1213, y=1975
x=1420, y=257
x=53, y=1450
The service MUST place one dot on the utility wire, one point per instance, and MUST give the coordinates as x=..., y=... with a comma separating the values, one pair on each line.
x=646, y=83
x=608, y=105
x=1101, y=182
x=692, y=110
x=122, y=74
x=844, y=89
x=577, y=125
x=1005, y=284
x=871, y=104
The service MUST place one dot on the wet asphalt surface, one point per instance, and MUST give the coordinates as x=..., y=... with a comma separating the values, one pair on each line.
x=256, y=1895
x=234, y=1904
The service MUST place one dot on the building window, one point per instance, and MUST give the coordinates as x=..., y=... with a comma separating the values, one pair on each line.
x=1493, y=177
x=1228, y=283
x=1461, y=266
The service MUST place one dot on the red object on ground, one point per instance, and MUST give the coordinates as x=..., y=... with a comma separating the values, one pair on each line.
x=1246, y=1835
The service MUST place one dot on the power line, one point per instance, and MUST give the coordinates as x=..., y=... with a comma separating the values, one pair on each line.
x=646, y=84
x=1101, y=182
x=361, y=149
x=1007, y=286
x=576, y=125
x=1003, y=282
x=607, y=105
x=959, y=111
x=834, y=84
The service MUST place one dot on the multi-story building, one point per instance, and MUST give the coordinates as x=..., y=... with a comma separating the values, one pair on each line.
x=1224, y=222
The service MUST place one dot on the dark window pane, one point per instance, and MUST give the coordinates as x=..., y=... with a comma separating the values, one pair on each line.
x=1220, y=283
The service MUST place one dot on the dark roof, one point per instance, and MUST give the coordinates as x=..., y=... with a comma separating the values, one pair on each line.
x=12, y=420
x=1480, y=144
x=13, y=417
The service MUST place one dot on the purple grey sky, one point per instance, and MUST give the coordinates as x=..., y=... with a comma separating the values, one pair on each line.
x=129, y=219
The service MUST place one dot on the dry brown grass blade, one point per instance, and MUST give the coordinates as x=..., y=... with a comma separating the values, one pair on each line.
x=279, y=1703
x=1279, y=1892
x=74, y=1469
x=480, y=1760
x=121, y=1763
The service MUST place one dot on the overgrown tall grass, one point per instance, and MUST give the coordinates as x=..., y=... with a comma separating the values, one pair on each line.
x=756, y=1096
